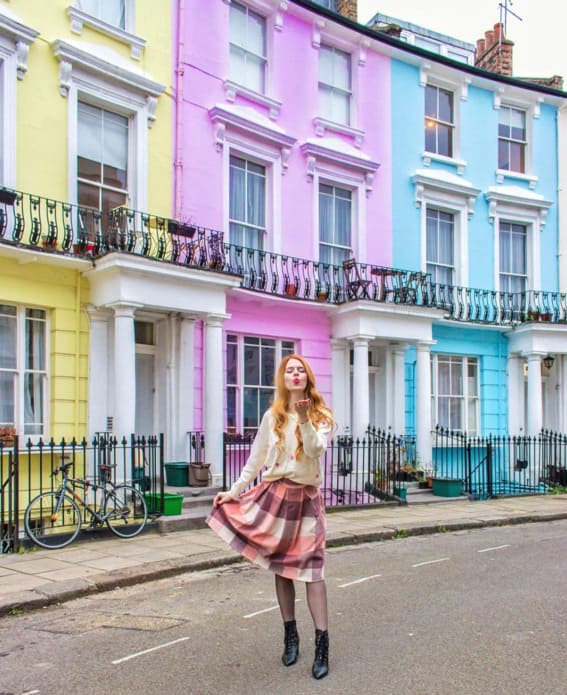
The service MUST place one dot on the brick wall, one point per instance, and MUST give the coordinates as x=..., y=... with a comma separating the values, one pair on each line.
x=494, y=52
x=348, y=8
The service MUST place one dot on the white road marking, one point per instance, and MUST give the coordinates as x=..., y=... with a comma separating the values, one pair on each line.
x=358, y=581
x=147, y=651
x=266, y=610
x=496, y=547
x=31, y=692
x=431, y=562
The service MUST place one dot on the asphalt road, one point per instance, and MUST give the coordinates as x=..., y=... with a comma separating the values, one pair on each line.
x=471, y=613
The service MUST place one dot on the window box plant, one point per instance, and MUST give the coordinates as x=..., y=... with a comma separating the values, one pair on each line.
x=7, y=435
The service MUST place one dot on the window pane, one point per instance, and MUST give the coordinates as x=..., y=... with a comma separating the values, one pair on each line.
x=7, y=337
x=268, y=363
x=89, y=196
x=231, y=363
x=445, y=106
x=87, y=169
x=251, y=365
x=231, y=407
x=7, y=385
x=35, y=344
x=33, y=403
x=251, y=420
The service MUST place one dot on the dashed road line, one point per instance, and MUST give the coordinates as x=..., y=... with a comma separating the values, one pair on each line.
x=147, y=651
x=431, y=562
x=496, y=547
x=266, y=610
x=359, y=581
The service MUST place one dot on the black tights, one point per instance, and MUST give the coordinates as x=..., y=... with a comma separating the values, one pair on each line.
x=316, y=600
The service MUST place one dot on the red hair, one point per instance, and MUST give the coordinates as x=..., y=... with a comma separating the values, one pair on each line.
x=318, y=411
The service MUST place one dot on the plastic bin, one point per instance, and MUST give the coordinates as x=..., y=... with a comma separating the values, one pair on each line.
x=177, y=474
x=172, y=503
x=447, y=487
x=199, y=474
x=140, y=479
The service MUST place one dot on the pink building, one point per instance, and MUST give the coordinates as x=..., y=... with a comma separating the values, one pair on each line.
x=283, y=145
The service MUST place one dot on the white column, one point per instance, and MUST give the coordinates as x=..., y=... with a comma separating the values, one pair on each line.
x=399, y=391
x=423, y=404
x=340, y=369
x=185, y=386
x=172, y=382
x=562, y=391
x=516, y=412
x=98, y=408
x=214, y=394
x=124, y=371
x=535, y=402
x=360, y=395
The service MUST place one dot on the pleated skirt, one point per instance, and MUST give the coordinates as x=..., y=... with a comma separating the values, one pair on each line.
x=280, y=526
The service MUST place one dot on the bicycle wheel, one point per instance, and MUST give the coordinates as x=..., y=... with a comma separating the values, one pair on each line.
x=125, y=511
x=51, y=521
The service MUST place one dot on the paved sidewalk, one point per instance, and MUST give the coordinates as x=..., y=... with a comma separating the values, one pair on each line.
x=37, y=578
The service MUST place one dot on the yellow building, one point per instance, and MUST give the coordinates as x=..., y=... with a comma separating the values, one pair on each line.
x=85, y=137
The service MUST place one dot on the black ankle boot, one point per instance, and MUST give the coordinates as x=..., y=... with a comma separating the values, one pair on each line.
x=321, y=662
x=291, y=644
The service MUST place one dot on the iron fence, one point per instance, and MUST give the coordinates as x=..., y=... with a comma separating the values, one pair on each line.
x=499, y=465
x=355, y=471
x=26, y=470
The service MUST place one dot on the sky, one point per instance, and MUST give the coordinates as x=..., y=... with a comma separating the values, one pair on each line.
x=538, y=38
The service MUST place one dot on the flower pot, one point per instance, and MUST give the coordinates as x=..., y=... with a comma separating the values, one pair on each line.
x=199, y=474
x=447, y=487
x=291, y=290
x=322, y=296
x=400, y=492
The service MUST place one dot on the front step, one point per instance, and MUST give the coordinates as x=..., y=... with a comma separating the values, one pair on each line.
x=197, y=504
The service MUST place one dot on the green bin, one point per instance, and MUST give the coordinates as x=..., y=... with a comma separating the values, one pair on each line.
x=172, y=503
x=177, y=473
x=447, y=487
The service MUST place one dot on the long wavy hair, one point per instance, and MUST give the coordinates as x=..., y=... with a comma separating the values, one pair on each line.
x=318, y=412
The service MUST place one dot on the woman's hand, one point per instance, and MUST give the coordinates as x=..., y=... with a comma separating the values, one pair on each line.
x=221, y=498
x=302, y=410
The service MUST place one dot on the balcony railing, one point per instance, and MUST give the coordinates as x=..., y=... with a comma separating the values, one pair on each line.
x=33, y=221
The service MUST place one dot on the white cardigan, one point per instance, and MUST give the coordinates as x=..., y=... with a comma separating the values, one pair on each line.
x=283, y=464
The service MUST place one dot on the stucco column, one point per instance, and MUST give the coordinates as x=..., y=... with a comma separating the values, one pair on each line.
x=172, y=392
x=124, y=371
x=340, y=383
x=562, y=391
x=516, y=412
x=98, y=408
x=399, y=391
x=535, y=402
x=213, y=400
x=423, y=404
x=360, y=395
x=185, y=385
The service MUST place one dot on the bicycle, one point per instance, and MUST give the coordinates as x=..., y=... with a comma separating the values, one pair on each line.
x=53, y=519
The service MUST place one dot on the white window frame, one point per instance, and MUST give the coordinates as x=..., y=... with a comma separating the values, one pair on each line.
x=513, y=274
x=450, y=194
x=79, y=18
x=20, y=370
x=344, y=170
x=519, y=206
x=256, y=140
x=274, y=18
x=532, y=111
x=331, y=36
x=240, y=385
x=15, y=40
x=444, y=79
x=468, y=401
x=347, y=94
x=457, y=253
x=92, y=77
x=266, y=206
x=334, y=185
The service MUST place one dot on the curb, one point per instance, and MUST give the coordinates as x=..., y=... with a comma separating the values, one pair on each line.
x=56, y=593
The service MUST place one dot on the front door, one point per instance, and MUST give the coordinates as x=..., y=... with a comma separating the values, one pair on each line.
x=145, y=394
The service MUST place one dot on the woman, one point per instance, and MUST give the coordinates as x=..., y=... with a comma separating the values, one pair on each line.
x=280, y=523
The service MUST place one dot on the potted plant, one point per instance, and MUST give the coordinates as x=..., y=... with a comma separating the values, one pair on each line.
x=7, y=435
x=291, y=289
x=322, y=295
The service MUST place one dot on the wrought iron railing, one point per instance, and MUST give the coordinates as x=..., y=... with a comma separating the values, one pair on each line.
x=355, y=471
x=26, y=470
x=499, y=465
x=37, y=222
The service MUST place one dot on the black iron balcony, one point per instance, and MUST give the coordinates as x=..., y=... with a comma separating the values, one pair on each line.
x=33, y=221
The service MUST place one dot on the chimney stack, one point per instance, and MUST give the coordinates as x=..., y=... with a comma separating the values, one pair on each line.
x=494, y=52
x=348, y=8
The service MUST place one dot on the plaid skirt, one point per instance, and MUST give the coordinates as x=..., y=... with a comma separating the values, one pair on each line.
x=279, y=526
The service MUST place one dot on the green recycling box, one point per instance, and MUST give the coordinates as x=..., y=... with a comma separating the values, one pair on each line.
x=172, y=504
